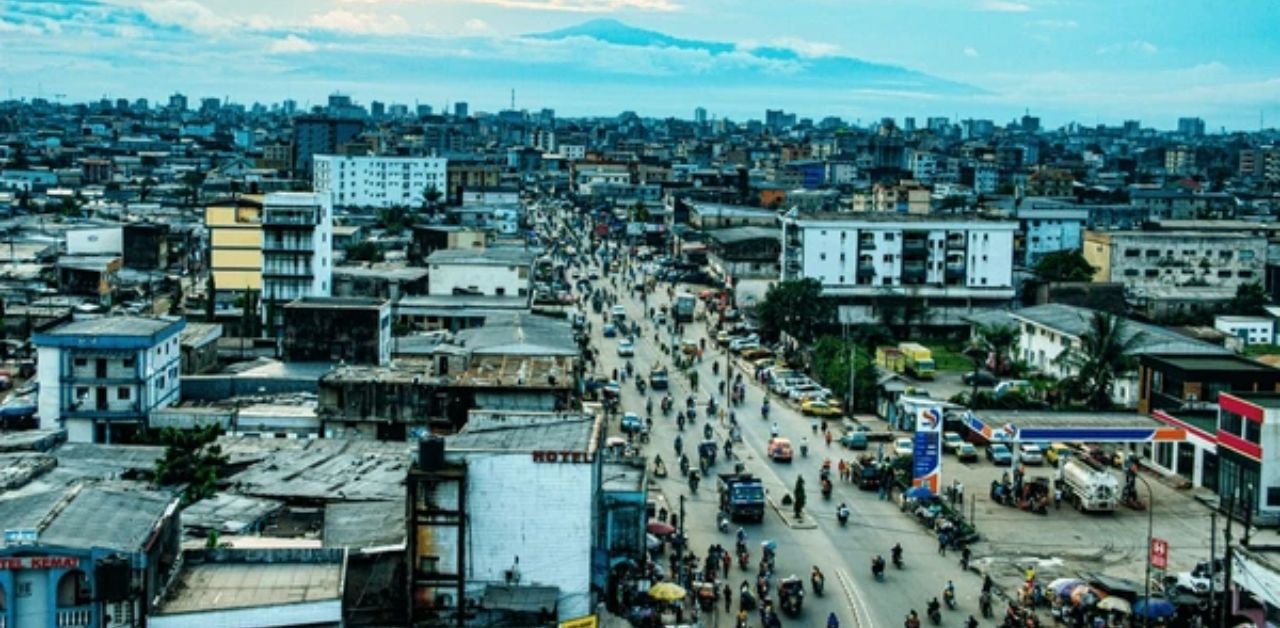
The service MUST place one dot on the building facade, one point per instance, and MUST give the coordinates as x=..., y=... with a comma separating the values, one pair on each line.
x=1154, y=259
x=379, y=182
x=320, y=135
x=1049, y=230
x=496, y=272
x=332, y=329
x=950, y=265
x=235, y=243
x=101, y=378
x=297, y=248
x=1252, y=330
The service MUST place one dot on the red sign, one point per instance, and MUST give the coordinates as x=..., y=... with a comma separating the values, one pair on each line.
x=39, y=562
x=1159, y=553
x=563, y=456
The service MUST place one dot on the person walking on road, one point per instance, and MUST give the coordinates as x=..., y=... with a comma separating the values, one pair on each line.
x=828, y=435
x=728, y=597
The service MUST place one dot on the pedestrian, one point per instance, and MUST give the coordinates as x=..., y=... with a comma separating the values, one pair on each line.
x=728, y=597
x=965, y=555
x=726, y=562
x=828, y=434
x=960, y=493
x=1057, y=498
x=942, y=543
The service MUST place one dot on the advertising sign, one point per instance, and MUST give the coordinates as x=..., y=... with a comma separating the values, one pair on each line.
x=1159, y=553
x=926, y=454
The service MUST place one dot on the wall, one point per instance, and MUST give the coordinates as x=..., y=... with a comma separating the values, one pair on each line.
x=322, y=613
x=488, y=278
x=514, y=506
x=103, y=241
x=1040, y=347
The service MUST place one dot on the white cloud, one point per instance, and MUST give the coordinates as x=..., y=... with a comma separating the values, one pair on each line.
x=1004, y=6
x=477, y=25
x=291, y=44
x=802, y=47
x=1140, y=46
x=25, y=29
x=970, y=51
x=362, y=23
x=585, y=6
x=188, y=14
x=1056, y=24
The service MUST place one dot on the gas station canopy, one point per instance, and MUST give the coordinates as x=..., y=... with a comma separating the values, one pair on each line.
x=1051, y=426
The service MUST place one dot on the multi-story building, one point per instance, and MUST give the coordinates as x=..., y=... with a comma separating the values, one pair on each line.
x=923, y=165
x=949, y=266
x=332, y=329
x=468, y=175
x=378, y=182
x=907, y=198
x=1048, y=227
x=1252, y=330
x=320, y=135
x=1261, y=163
x=1191, y=127
x=235, y=244
x=101, y=378
x=1180, y=160
x=297, y=249
x=495, y=271
x=1176, y=258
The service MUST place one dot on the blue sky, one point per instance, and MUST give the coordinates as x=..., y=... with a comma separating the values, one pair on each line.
x=1084, y=60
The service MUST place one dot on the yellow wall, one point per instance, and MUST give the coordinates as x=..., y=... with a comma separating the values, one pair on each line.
x=1097, y=251
x=248, y=238
x=235, y=237
x=237, y=280
x=232, y=216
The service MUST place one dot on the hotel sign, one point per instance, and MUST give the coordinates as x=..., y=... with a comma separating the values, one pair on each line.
x=550, y=456
x=15, y=563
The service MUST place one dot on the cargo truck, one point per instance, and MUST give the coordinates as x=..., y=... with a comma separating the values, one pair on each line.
x=685, y=304
x=1089, y=485
x=742, y=496
x=917, y=360
x=889, y=359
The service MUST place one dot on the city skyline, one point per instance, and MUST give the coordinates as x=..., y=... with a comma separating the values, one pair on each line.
x=1087, y=62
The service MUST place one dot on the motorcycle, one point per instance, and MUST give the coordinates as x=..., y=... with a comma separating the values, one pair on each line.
x=684, y=465
x=804, y=450
x=817, y=581
x=897, y=560
x=744, y=559
x=842, y=515
x=826, y=488
x=693, y=482
x=935, y=616
x=877, y=567
x=949, y=597
x=722, y=522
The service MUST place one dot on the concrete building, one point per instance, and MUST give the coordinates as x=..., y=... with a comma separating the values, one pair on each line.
x=1151, y=259
x=101, y=378
x=235, y=244
x=379, y=182
x=1253, y=330
x=428, y=239
x=320, y=135
x=1048, y=228
x=95, y=241
x=89, y=554
x=744, y=252
x=297, y=251
x=906, y=198
x=333, y=329
x=720, y=216
x=496, y=271
x=1047, y=331
x=868, y=261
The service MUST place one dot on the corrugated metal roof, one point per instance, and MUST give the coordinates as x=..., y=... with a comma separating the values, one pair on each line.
x=1075, y=321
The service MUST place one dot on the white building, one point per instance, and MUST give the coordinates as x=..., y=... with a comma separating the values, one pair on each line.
x=372, y=181
x=923, y=165
x=493, y=272
x=1253, y=330
x=95, y=241
x=986, y=178
x=297, y=248
x=573, y=152
x=1049, y=227
x=951, y=265
x=101, y=378
x=1046, y=331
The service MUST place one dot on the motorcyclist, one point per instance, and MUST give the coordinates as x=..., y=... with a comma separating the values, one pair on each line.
x=693, y=482
x=934, y=607
x=817, y=579
x=913, y=620
x=773, y=429
x=804, y=445
x=679, y=444
x=971, y=622
x=648, y=407
x=833, y=621
x=842, y=512
x=877, y=565
x=897, y=554
x=742, y=536
x=949, y=594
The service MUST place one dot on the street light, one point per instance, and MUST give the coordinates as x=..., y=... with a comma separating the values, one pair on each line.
x=1151, y=507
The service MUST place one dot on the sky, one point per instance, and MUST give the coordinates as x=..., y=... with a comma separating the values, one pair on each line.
x=1087, y=61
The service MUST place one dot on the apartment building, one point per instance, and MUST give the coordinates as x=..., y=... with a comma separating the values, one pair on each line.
x=1153, y=259
x=949, y=265
x=297, y=249
x=1047, y=227
x=379, y=182
x=101, y=378
x=907, y=198
x=235, y=243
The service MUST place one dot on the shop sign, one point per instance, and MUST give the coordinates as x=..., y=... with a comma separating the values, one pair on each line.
x=15, y=563
x=550, y=456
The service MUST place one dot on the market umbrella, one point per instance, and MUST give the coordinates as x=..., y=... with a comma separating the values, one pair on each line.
x=1084, y=595
x=1062, y=587
x=1113, y=603
x=660, y=528
x=615, y=441
x=666, y=592
x=1154, y=608
x=919, y=492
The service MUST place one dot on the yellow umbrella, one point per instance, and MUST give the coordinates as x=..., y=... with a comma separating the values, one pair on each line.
x=666, y=592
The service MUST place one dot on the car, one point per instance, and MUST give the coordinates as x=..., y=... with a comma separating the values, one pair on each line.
x=854, y=439
x=805, y=392
x=1030, y=453
x=998, y=453
x=966, y=452
x=594, y=273
x=631, y=423
x=950, y=441
x=738, y=344
x=609, y=330
x=1011, y=385
x=1057, y=452
x=903, y=447
x=618, y=314
x=979, y=378
x=780, y=450
x=816, y=407
x=626, y=348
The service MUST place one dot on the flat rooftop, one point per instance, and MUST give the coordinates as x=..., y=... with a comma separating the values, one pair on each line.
x=221, y=586
x=336, y=303
x=114, y=326
x=1216, y=363
x=562, y=432
x=1263, y=400
x=497, y=256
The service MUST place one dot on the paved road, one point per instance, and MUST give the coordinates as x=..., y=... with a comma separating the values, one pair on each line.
x=842, y=553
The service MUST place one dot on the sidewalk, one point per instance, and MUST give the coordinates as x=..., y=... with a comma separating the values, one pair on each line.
x=806, y=522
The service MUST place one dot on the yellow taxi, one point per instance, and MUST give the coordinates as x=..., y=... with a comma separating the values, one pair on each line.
x=820, y=408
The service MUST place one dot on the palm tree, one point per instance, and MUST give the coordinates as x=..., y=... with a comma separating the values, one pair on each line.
x=1103, y=355
x=997, y=343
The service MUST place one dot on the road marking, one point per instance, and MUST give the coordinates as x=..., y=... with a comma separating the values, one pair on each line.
x=856, y=605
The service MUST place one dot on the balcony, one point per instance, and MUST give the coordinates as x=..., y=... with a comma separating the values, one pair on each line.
x=955, y=242
x=74, y=617
x=955, y=271
x=866, y=270
x=287, y=270
x=288, y=245
x=915, y=248
x=866, y=244
x=293, y=217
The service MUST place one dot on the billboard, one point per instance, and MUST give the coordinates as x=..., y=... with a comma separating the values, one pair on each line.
x=926, y=454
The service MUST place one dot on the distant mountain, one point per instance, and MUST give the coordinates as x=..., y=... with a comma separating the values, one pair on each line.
x=766, y=62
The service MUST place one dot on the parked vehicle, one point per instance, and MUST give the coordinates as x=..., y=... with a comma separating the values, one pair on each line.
x=966, y=452
x=917, y=360
x=631, y=423
x=808, y=391
x=742, y=496
x=738, y=344
x=1089, y=485
x=1011, y=385
x=998, y=454
x=903, y=447
x=951, y=441
x=816, y=407
x=1058, y=451
x=889, y=359
x=1030, y=453
x=979, y=378
x=854, y=439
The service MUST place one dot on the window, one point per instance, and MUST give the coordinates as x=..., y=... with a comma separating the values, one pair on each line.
x=160, y=382
x=1253, y=432
x=1246, y=255
x=1151, y=272
x=123, y=393
x=822, y=256
x=1153, y=253
x=1130, y=272
x=81, y=362
x=1224, y=274
x=1273, y=495
x=1224, y=254
x=129, y=362
x=888, y=237
x=1230, y=422
x=82, y=392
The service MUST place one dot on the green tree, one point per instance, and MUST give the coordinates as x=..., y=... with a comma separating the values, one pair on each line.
x=145, y=189
x=832, y=360
x=998, y=343
x=1103, y=355
x=191, y=459
x=394, y=219
x=796, y=307
x=366, y=251
x=798, y=497
x=640, y=212
x=211, y=298
x=431, y=199
x=1250, y=300
x=1064, y=266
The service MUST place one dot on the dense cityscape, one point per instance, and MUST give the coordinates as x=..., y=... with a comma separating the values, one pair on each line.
x=372, y=363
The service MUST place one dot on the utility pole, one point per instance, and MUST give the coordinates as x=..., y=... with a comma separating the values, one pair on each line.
x=1226, y=578
x=1213, y=554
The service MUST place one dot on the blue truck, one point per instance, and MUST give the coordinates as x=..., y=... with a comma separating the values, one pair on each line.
x=742, y=496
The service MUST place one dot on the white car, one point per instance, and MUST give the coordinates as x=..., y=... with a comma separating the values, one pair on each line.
x=626, y=349
x=1030, y=453
x=805, y=392
x=903, y=447
x=951, y=441
x=738, y=344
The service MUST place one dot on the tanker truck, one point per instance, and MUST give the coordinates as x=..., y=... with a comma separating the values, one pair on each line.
x=1089, y=486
